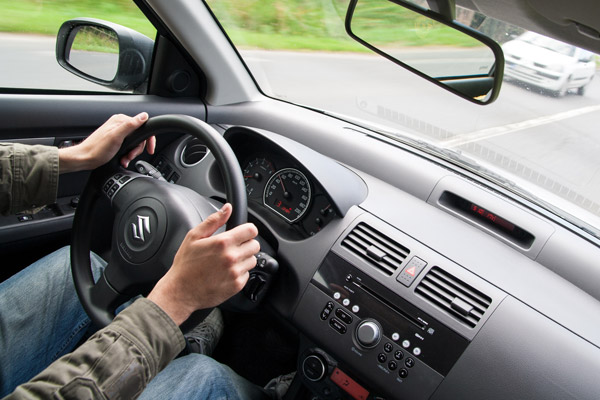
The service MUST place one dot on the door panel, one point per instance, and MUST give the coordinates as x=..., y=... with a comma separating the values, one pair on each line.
x=55, y=119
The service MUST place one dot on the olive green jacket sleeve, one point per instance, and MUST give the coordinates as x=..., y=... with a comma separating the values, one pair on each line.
x=28, y=177
x=115, y=363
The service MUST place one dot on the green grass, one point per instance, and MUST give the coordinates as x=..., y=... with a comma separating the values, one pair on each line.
x=46, y=16
x=97, y=40
x=266, y=24
x=319, y=25
x=279, y=41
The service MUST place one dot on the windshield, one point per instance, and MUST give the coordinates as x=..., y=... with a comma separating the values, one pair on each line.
x=539, y=138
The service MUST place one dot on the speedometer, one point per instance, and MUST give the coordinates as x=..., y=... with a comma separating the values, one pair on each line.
x=288, y=194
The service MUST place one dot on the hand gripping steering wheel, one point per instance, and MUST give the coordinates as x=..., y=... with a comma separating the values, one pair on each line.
x=151, y=218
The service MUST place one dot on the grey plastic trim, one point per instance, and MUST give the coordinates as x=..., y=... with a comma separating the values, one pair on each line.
x=540, y=229
x=520, y=354
x=192, y=24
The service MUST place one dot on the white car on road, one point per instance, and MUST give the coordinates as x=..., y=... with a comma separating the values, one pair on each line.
x=548, y=64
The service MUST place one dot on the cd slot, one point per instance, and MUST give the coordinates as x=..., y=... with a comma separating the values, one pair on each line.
x=399, y=311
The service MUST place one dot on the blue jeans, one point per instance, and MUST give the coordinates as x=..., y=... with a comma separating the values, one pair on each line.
x=41, y=320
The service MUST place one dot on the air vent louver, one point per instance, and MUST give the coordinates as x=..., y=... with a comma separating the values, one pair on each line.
x=376, y=248
x=463, y=302
x=193, y=152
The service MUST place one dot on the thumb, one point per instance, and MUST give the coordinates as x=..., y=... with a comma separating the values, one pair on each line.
x=214, y=221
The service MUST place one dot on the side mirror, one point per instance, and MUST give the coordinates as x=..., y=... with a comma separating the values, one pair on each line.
x=430, y=44
x=105, y=53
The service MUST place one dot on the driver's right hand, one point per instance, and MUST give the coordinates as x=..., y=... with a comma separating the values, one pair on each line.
x=207, y=270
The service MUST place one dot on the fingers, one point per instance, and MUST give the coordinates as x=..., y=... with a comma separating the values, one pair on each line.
x=126, y=159
x=151, y=145
x=123, y=125
x=135, y=122
x=214, y=221
x=128, y=125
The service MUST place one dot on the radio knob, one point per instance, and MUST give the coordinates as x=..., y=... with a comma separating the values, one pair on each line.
x=368, y=334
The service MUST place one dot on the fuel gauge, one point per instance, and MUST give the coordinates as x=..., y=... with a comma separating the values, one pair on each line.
x=256, y=174
x=321, y=213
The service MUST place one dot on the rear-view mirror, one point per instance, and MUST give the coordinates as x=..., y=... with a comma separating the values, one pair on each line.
x=430, y=44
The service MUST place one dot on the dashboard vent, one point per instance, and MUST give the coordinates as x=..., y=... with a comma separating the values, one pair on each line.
x=193, y=152
x=376, y=248
x=463, y=302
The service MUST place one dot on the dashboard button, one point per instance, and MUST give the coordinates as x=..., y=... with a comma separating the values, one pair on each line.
x=411, y=271
x=392, y=365
x=409, y=362
x=344, y=316
x=337, y=325
x=398, y=355
x=403, y=373
x=388, y=347
x=313, y=368
x=381, y=358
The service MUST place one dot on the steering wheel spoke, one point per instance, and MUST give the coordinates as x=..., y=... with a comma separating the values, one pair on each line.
x=105, y=297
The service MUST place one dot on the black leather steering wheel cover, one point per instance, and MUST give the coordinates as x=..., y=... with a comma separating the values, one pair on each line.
x=82, y=231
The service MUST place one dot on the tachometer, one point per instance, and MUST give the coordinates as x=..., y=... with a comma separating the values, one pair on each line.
x=256, y=174
x=288, y=194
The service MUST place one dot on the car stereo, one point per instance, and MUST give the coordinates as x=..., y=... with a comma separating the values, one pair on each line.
x=373, y=335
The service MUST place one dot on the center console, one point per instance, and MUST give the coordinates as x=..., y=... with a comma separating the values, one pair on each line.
x=373, y=328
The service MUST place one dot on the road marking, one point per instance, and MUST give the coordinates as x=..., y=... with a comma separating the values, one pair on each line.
x=515, y=127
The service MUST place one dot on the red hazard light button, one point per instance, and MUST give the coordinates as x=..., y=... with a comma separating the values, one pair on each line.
x=411, y=271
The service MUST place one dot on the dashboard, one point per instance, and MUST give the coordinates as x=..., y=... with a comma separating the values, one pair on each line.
x=284, y=180
x=388, y=302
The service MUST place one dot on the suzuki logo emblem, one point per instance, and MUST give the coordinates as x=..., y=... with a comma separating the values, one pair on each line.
x=143, y=225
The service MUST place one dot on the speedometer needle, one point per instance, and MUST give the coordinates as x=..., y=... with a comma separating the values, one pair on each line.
x=286, y=194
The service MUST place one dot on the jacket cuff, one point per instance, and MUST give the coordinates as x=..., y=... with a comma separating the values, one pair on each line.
x=153, y=332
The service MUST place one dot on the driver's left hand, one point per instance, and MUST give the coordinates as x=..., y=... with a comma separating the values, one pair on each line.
x=102, y=145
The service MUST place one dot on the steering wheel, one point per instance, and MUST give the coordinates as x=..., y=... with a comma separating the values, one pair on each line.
x=151, y=218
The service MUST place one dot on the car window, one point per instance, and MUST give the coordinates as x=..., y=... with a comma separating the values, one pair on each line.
x=538, y=139
x=28, y=31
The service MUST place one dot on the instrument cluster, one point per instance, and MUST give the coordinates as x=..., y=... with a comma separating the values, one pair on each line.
x=280, y=181
x=287, y=192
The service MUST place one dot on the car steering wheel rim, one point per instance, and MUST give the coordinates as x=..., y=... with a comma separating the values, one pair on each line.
x=101, y=298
